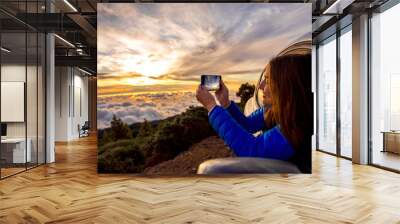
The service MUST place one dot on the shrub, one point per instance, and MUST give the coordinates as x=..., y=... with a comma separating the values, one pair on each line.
x=153, y=144
x=128, y=159
x=118, y=130
x=246, y=91
x=119, y=143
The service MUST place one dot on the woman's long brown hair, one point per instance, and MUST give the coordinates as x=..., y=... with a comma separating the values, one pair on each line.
x=292, y=109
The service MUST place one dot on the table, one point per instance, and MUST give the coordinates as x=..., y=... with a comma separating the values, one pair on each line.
x=391, y=141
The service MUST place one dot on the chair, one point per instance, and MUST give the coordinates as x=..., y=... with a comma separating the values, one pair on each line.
x=84, y=130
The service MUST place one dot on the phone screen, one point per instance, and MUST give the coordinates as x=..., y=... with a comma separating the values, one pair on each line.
x=211, y=82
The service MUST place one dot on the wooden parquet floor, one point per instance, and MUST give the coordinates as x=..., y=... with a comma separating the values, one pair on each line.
x=71, y=191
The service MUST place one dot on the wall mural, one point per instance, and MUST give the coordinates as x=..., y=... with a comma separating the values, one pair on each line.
x=156, y=117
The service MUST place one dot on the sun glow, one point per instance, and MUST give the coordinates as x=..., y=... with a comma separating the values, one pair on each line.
x=150, y=65
x=146, y=81
x=139, y=81
x=146, y=68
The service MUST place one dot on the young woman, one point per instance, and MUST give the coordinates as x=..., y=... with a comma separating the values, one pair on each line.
x=286, y=118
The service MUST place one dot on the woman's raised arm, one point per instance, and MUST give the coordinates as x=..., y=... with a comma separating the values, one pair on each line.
x=252, y=123
x=271, y=144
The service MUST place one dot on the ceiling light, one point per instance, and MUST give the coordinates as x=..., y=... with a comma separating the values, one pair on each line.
x=79, y=51
x=86, y=72
x=5, y=50
x=337, y=7
x=64, y=40
x=70, y=5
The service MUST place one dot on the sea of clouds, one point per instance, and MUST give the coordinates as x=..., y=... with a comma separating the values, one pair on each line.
x=145, y=106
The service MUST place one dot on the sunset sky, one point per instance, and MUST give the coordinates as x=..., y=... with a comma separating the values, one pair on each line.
x=151, y=56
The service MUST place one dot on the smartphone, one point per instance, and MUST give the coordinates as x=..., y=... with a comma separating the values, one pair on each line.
x=211, y=82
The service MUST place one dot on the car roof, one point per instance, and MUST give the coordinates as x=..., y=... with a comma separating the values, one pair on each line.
x=302, y=47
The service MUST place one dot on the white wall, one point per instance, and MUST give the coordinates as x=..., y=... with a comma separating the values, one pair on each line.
x=33, y=126
x=80, y=102
x=62, y=81
x=71, y=94
x=14, y=73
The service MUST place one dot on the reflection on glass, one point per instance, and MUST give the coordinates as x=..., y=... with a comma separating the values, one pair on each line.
x=31, y=97
x=41, y=98
x=327, y=96
x=385, y=84
x=345, y=94
x=14, y=153
x=394, y=102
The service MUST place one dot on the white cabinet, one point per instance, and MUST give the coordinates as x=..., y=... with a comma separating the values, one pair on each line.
x=19, y=155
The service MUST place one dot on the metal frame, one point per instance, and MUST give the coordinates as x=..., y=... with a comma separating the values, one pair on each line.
x=45, y=91
x=37, y=93
x=0, y=91
x=316, y=97
x=338, y=97
x=369, y=97
x=26, y=90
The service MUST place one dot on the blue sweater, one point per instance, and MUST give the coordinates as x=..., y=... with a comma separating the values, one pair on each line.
x=236, y=130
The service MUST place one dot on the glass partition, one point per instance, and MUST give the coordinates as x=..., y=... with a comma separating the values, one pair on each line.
x=31, y=98
x=385, y=89
x=346, y=92
x=14, y=153
x=327, y=95
x=41, y=110
x=22, y=88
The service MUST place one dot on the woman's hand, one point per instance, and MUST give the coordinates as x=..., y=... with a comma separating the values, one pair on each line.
x=205, y=98
x=222, y=95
